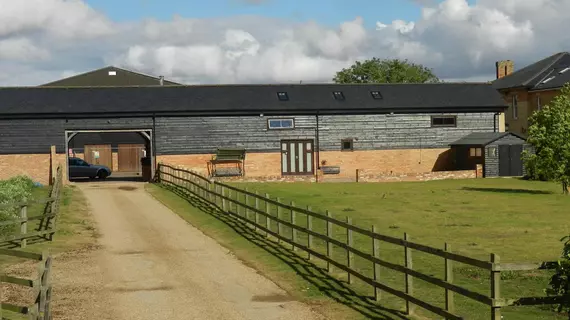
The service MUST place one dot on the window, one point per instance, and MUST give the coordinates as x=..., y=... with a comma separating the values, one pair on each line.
x=493, y=152
x=283, y=96
x=515, y=107
x=338, y=95
x=347, y=145
x=444, y=121
x=475, y=152
x=376, y=94
x=280, y=124
x=538, y=103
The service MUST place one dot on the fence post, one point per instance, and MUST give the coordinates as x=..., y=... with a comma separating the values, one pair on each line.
x=279, y=231
x=329, y=244
x=256, y=210
x=224, y=208
x=230, y=202
x=408, y=278
x=376, y=267
x=449, y=303
x=495, y=287
x=24, y=225
x=246, y=213
x=357, y=175
x=293, y=221
x=310, y=228
x=348, y=252
x=268, y=211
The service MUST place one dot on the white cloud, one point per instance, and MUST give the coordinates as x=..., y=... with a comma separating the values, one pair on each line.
x=42, y=40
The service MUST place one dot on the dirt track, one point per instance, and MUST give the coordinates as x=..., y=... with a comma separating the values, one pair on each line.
x=153, y=265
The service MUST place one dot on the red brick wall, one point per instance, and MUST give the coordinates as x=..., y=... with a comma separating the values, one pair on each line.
x=365, y=176
x=267, y=166
x=36, y=166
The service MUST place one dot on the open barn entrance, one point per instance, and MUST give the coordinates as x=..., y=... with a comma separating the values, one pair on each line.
x=109, y=155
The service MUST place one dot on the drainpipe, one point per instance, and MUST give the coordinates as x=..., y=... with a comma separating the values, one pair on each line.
x=317, y=149
x=153, y=147
x=495, y=122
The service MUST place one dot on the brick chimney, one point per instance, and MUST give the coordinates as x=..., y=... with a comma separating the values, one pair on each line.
x=504, y=68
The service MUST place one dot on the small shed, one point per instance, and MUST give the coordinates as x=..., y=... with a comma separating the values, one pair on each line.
x=500, y=153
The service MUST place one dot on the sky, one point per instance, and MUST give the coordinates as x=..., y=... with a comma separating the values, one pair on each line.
x=270, y=41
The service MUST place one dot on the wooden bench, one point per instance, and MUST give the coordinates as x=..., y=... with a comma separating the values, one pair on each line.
x=227, y=156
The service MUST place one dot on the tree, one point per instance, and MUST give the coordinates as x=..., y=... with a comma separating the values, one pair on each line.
x=385, y=71
x=549, y=134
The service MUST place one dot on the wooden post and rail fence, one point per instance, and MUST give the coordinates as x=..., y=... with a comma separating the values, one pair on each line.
x=249, y=207
x=47, y=220
x=40, y=309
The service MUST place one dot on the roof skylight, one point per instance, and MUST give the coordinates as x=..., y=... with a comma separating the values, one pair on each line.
x=338, y=95
x=376, y=94
x=547, y=80
x=283, y=96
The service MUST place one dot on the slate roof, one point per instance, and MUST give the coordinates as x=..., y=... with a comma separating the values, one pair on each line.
x=101, y=77
x=482, y=138
x=248, y=100
x=533, y=77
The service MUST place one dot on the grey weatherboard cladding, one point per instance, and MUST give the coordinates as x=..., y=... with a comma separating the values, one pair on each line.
x=199, y=119
x=488, y=141
x=195, y=135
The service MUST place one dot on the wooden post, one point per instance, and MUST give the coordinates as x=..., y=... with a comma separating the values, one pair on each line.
x=348, y=252
x=293, y=221
x=310, y=228
x=24, y=225
x=449, y=303
x=230, y=202
x=495, y=287
x=256, y=209
x=209, y=186
x=376, y=267
x=279, y=231
x=268, y=211
x=217, y=195
x=329, y=244
x=408, y=279
x=246, y=205
x=357, y=175
x=224, y=208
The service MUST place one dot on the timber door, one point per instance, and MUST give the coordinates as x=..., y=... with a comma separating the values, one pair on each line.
x=99, y=154
x=297, y=157
x=510, y=160
x=130, y=157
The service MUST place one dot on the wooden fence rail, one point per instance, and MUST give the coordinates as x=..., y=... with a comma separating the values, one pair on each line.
x=238, y=203
x=40, y=309
x=46, y=226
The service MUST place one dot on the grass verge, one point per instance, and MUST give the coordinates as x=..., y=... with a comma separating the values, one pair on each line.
x=329, y=296
x=75, y=226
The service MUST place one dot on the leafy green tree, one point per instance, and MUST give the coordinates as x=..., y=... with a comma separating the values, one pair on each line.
x=385, y=71
x=549, y=134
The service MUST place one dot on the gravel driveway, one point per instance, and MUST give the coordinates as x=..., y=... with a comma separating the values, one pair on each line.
x=151, y=264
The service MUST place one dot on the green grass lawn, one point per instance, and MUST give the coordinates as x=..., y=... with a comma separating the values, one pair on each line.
x=521, y=221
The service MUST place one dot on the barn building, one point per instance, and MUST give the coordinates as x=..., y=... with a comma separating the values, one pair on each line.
x=263, y=131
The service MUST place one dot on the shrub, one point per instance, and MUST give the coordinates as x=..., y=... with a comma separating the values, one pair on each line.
x=15, y=190
x=560, y=281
